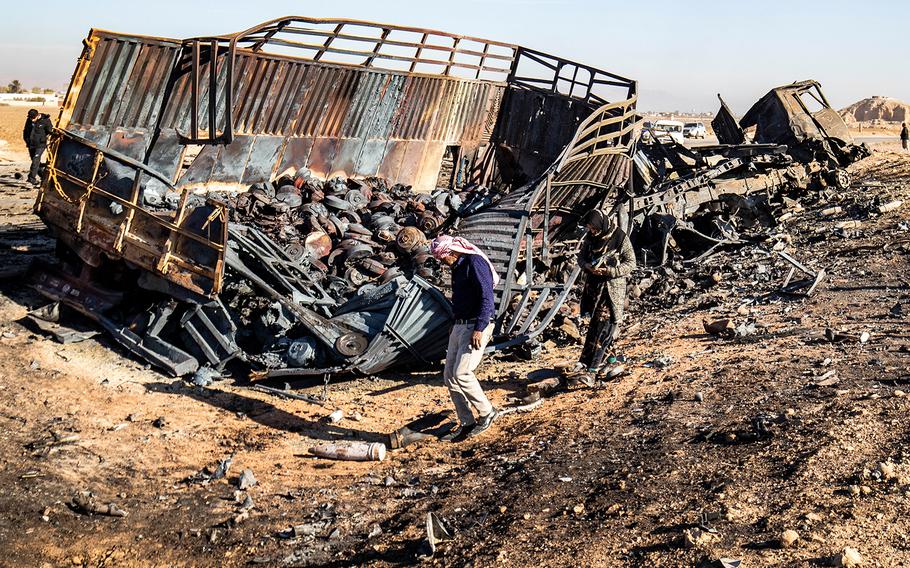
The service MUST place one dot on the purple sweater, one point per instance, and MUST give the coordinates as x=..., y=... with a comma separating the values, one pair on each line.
x=472, y=290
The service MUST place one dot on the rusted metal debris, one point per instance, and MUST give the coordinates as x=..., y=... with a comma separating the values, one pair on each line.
x=265, y=197
x=790, y=141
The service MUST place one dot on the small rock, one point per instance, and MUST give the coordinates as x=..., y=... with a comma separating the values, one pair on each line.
x=578, y=509
x=526, y=516
x=813, y=517
x=788, y=538
x=899, y=393
x=697, y=538
x=854, y=490
x=247, y=503
x=865, y=490
x=717, y=327
x=159, y=422
x=246, y=480
x=886, y=469
x=389, y=481
x=699, y=397
x=848, y=558
x=375, y=530
x=335, y=416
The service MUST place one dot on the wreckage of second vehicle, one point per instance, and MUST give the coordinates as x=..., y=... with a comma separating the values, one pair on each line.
x=267, y=196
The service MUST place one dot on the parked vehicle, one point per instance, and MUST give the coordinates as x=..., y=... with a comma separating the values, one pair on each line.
x=670, y=128
x=695, y=130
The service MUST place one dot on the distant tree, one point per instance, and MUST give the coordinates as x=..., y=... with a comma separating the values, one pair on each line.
x=14, y=87
x=36, y=90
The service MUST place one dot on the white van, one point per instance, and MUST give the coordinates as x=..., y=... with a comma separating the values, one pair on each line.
x=695, y=130
x=671, y=128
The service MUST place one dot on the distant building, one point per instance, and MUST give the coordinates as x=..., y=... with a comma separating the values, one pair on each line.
x=30, y=99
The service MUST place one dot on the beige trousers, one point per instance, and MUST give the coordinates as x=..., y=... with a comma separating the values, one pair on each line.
x=461, y=360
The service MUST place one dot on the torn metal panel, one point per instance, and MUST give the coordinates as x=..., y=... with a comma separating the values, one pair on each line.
x=725, y=126
x=95, y=195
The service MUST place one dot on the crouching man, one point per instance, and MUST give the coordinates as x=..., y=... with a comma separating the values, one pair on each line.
x=473, y=280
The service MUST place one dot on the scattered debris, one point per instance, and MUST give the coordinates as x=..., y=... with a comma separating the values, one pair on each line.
x=85, y=502
x=246, y=480
x=208, y=474
x=352, y=451
x=437, y=532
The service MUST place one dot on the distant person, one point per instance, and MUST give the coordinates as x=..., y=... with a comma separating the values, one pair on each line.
x=905, y=137
x=473, y=280
x=608, y=259
x=37, y=128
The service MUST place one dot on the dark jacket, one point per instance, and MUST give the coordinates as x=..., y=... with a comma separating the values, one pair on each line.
x=472, y=291
x=27, y=132
x=39, y=131
x=905, y=135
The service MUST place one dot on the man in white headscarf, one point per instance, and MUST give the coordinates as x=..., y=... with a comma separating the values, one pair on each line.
x=473, y=280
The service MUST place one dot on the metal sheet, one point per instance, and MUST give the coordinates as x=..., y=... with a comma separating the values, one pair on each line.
x=232, y=159
x=296, y=153
x=263, y=156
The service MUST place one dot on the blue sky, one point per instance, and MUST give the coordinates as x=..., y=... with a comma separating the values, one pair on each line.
x=681, y=52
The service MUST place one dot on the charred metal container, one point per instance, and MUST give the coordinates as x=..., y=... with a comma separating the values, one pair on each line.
x=153, y=130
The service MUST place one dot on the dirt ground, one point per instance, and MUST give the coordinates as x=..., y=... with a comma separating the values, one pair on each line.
x=746, y=437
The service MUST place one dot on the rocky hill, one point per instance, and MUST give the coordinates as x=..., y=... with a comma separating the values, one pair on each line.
x=877, y=108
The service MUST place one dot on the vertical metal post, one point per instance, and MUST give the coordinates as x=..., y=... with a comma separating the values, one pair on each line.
x=423, y=41
x=194, y=94
x=448, y=72
x=545, y=246
x=213, y=87
x=483, y=60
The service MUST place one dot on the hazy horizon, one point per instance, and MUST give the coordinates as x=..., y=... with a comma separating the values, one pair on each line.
x=681, y=54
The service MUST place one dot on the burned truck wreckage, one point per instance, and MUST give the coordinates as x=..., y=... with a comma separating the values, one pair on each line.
x=266, y=197
x=791, y=140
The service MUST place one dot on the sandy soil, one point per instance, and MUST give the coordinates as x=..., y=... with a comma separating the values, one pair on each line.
x=744, y=432
x=12, y=118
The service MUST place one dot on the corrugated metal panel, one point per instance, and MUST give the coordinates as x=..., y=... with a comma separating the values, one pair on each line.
x=125, y=83
x=333, y=118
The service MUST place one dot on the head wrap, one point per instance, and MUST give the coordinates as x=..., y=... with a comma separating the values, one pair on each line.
x=32, y=113
x=445, y=244
x=602, y=221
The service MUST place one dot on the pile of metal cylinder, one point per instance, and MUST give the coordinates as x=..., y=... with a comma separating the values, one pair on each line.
x=361, y=231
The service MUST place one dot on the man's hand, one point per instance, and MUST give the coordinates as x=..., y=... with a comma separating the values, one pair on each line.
x=476, y=339
x=599, y=272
